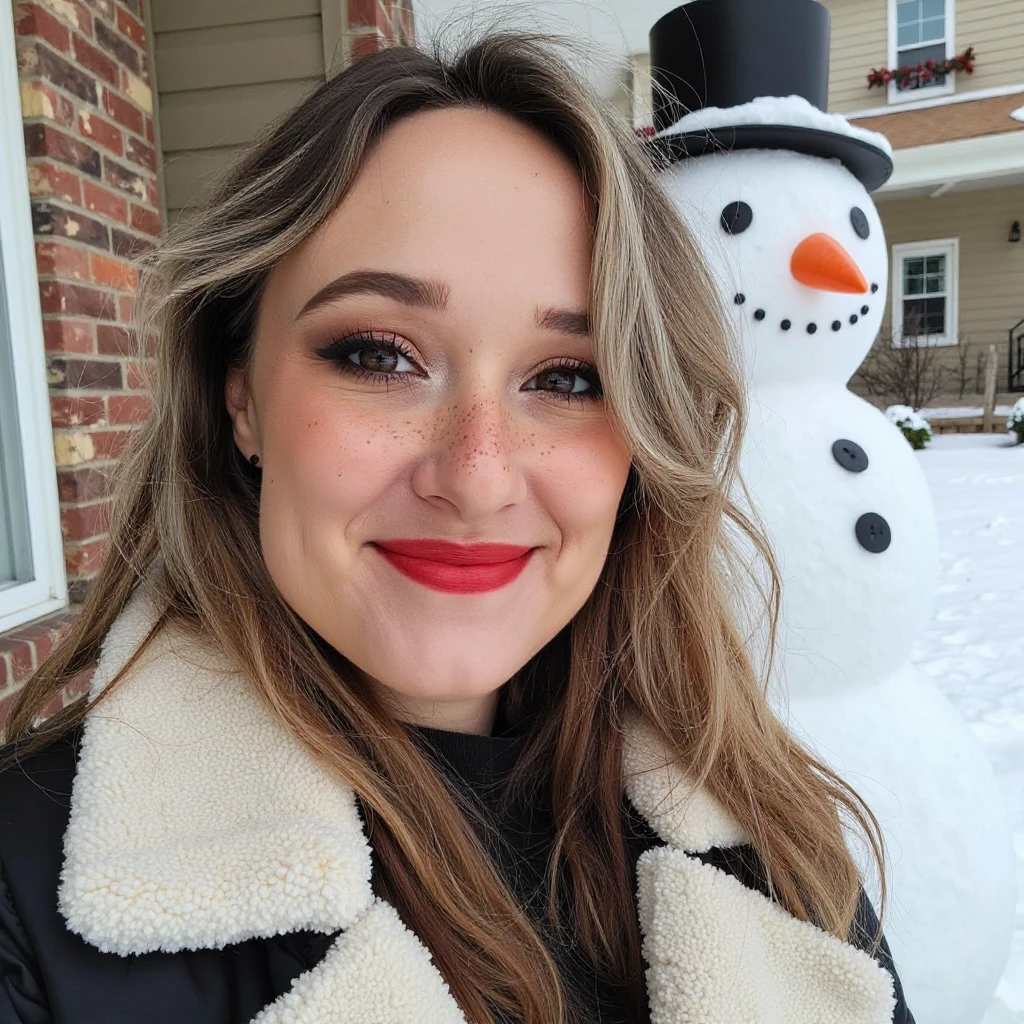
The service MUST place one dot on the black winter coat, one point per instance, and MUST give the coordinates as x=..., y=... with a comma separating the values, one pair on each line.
x=49, y=975
x=209, y=872
x=52, y=976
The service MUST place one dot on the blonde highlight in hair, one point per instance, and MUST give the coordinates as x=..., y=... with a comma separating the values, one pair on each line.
x=657, y=636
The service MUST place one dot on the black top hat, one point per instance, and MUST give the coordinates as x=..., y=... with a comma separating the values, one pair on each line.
x=724, y=53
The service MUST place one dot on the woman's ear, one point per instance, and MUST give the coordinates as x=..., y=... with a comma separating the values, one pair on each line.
x=242, y=412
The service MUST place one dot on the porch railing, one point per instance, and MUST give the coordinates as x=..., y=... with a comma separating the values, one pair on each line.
x=1016, y=358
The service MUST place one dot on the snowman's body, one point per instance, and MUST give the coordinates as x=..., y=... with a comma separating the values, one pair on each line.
x=809, y=249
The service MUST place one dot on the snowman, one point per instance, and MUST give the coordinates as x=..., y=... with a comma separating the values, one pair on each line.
x=776, y=191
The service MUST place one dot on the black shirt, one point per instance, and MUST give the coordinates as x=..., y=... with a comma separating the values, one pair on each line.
x=520, y=838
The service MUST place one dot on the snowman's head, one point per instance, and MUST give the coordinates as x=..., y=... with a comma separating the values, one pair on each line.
x=797, y=247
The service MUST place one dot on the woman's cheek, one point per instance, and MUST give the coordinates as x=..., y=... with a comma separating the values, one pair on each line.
x=329, y=458
x=326, y=435
x=584, y=477
x=593, y=460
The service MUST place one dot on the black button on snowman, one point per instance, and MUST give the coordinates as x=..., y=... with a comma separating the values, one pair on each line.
x=873, y=533
x=871, y=530
x=850, y=455
x=812, y=306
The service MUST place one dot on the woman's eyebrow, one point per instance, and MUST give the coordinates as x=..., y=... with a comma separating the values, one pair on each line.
x=565, y=321
x=428, y=294
x=411, y=291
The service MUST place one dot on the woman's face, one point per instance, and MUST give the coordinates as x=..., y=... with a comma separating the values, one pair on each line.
x=422, y=371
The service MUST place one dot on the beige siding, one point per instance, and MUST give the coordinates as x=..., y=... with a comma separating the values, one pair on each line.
x=995, y=28
x=197, y=119
x=641, y=89
x=178, y=15
x=224, y=69
x=859, y=43
x=991, y=285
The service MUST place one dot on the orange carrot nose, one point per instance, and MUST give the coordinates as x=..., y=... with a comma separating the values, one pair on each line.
x=819, y=261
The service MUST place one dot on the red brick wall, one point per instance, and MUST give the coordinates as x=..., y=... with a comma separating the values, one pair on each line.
x=87, y=108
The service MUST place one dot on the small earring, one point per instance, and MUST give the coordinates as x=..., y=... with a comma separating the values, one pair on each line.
x=254, y=459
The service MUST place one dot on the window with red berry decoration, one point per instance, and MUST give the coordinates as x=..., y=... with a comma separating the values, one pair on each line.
x=921, y=49
x=921, y=27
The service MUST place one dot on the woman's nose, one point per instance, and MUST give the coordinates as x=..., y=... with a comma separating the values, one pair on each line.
x=475, y=462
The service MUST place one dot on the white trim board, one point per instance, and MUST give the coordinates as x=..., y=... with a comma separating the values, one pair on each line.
x=989, y=156
x=46, y=590
x=991, y=93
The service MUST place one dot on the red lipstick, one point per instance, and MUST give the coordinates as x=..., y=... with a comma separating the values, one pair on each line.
x=456, y=568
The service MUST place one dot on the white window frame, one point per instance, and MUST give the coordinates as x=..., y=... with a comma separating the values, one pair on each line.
x=46, y=592
x=908, y=95
x=948, y=247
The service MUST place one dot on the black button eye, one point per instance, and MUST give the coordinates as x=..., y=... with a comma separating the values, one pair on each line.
x=860, y=223
x=736, y=218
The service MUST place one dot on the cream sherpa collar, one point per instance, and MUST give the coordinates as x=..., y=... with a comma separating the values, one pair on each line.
x=197, y=821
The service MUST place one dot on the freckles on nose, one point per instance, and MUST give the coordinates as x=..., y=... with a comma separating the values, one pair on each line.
x=483, y=430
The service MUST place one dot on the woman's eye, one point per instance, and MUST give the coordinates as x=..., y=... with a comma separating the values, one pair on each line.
x=371, y=357
x=568, y=382
x=380, y=359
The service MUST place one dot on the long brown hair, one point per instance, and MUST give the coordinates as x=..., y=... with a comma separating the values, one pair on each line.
x=658, y=635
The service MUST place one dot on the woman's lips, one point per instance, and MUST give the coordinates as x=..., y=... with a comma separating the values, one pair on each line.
x=456, y=568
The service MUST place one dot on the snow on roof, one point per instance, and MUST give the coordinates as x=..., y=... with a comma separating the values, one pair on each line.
x=788, y=110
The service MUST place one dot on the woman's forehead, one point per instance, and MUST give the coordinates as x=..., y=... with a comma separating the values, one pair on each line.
x=467, y=196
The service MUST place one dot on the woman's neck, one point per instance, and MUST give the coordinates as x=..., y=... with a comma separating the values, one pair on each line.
x=475, y=715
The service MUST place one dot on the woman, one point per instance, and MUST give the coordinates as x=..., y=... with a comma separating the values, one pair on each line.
x=416, y=693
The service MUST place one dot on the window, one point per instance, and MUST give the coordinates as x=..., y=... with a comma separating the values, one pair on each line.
x=924, y=294
x=31, y=560
x=920, y=31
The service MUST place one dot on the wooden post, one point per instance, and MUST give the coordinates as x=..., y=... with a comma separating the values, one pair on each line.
x=989, y=408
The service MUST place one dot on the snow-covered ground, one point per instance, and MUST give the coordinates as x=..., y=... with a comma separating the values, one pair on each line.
x=974, y=646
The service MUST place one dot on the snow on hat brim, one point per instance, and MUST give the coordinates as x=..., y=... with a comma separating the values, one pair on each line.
x=780, y=122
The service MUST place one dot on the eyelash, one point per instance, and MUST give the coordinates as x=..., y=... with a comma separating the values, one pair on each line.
x=340, y=350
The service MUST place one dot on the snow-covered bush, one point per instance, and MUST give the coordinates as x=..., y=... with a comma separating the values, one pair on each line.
x=1016, y=420
x=914, y=426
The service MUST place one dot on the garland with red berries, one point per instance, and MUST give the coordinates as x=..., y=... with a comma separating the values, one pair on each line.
x=929, y=70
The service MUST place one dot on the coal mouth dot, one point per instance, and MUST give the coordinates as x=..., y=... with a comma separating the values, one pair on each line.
x=758, y=314
x=812, y=328
x=864, y=310
x=740, y=298
x=874, y=288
